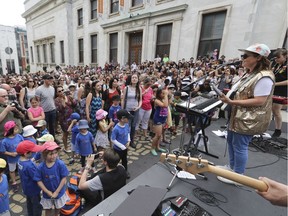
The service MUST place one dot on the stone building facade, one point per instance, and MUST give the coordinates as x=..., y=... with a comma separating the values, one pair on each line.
x=92, y=32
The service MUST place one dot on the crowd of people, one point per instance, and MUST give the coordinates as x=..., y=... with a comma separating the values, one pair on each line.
x=104, y=108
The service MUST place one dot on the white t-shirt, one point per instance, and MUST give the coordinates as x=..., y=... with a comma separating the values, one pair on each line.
x=263, y=87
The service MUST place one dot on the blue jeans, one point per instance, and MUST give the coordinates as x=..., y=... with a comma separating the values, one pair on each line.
x=238, y=150
x=50, y=118
x=34, y=207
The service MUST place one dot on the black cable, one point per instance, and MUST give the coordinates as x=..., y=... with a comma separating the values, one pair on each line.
x=263, y=165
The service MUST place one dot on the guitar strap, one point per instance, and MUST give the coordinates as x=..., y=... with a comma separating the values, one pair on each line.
x=247, y=79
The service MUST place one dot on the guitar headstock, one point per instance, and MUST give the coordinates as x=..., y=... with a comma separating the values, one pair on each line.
x=189, y=164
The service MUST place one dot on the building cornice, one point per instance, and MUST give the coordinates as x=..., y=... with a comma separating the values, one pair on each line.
x=176, y=9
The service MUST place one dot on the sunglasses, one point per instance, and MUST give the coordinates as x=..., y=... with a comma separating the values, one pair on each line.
x=244, y=56
x=61, y=90
x=4, y=96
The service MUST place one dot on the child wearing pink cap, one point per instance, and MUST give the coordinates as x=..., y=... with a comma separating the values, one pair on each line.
x=101, y=139
x=8, y=147
x=51, y=178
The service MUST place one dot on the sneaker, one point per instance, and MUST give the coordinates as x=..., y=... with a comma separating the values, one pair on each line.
x=226, y=167
x=162, y=144
x=133, y=145
x=81, y=170
x=277, y=133
x=153, y=152
x=128, y=175
x=228, y=181
x=161, y=150
x=71, y=161
x=67, y=150
x=14, y=187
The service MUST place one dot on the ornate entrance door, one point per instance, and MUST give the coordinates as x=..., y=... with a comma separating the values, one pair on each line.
x=135, y=47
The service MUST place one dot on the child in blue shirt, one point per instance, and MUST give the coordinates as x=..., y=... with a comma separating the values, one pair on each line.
x=84, y=143
x=41, y=141
x=8, y=147
x=4, y=190
x=73, y=127
x=27, y=170
x=120, y=137
x=51, y=178
x=42, y=130
x=115, y=107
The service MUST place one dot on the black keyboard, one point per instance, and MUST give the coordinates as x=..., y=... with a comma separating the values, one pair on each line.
x=206, y=103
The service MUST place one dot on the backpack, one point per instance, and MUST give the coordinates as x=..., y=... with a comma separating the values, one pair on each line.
x=73, y=206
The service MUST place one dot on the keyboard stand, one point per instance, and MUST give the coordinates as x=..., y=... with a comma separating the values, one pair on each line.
x=205, y=121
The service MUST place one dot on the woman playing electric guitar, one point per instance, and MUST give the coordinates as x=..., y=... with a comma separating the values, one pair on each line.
x=251, y=107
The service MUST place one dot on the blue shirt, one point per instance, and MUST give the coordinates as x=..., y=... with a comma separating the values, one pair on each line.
x=83, y=144
x=31, y=139
x=27, y=170
x=74, y=132
x=10, y=145
x=120, y=134
x=45, y=131
x=4, y=195
x=51, y=177
x=113, y=113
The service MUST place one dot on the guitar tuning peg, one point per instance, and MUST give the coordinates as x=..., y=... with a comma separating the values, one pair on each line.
x=177, y=161
x=167, y=159
x=188, y=163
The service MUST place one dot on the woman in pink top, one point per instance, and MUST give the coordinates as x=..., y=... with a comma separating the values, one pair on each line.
x=146, y=108
x=35, y=112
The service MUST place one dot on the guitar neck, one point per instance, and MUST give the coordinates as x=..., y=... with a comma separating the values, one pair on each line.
x=242, y=179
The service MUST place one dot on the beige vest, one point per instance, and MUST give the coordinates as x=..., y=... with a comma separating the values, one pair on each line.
x=251, y=120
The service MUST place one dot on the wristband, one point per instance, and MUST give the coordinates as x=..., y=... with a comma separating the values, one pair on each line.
x=87, y=168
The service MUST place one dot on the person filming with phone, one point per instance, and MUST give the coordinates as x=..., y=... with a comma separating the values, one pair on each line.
x=106, y=181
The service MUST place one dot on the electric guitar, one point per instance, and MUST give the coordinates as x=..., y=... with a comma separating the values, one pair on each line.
x=198, y=165
x=230, y=94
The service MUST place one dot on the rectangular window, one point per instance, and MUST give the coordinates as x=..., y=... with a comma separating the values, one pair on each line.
x=1, y=69
x=62, y=52
x=93, y=9
x=114, y=6
x=10, y=65
x=44, y=53
x=113, y=47
x=211, y=33
x=52, y=53
x=38, y=54
x=80, y=17
x=164, y=33
x=137, y=2
x=81, y=50
x=94, y=48
x=32, y=55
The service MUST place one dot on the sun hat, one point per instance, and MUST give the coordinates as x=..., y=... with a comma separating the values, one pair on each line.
x=260, y=49
x=72, y=85
x=74, y=116
x=28, y=146
x=83, y=124
x=8, y=125
x=100, y=114
x=50, y=146
x=29, y=130
x=41, y=123
x=46, y=138
x=3, y=163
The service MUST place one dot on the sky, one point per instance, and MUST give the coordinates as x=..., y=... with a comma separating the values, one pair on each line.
x=10, y=12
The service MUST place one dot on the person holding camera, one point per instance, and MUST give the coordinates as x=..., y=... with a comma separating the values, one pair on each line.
x=106, y=181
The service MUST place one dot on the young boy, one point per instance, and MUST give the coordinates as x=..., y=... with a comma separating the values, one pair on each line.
x=121, y=137
x=84, y=145
x=115, y=107
x=4, y=189
x=73, y=127
x=27, y=169
x=42, y=130
x=28, y=133
x=175, y=114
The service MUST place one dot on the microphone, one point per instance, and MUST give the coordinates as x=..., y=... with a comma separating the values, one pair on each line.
x=233, y=63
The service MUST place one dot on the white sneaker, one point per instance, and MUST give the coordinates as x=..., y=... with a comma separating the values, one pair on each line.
x=226, y=167
x=228, y=181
